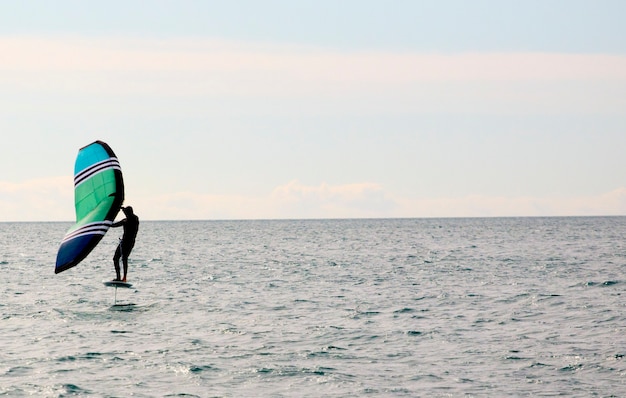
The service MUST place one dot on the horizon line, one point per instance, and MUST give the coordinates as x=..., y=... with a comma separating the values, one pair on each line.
x=332, y=218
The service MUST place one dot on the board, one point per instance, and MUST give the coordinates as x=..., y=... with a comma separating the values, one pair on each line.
x=117, y=284
x=123, y=307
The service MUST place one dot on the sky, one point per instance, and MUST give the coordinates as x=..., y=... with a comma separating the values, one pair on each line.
x=282, y=109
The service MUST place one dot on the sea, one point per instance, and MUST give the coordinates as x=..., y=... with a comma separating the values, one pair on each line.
x=451, y=307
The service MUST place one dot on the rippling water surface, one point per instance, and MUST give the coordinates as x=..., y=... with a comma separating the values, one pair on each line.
x=321, y=308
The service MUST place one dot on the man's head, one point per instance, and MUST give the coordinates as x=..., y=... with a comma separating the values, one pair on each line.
x=128, y=210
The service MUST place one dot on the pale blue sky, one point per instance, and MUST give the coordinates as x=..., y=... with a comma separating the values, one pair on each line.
x=410, y=25
x=283, y=109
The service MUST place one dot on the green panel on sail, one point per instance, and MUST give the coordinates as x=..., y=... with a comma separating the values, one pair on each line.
x=98, y=197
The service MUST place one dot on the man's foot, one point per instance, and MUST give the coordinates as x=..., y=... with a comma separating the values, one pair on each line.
x=124, y=280
x=117, y=280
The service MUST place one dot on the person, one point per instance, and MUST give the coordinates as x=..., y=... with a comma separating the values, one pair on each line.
x=131, y=226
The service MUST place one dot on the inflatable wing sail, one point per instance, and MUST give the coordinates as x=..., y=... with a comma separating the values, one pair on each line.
x=98, y=197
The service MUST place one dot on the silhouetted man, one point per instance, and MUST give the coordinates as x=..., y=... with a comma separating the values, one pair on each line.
x=131, y=226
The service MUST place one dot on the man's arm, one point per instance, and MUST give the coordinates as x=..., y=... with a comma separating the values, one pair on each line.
x=118, y=224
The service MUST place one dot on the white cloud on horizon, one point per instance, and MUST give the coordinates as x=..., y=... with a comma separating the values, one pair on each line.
x=42, y=199
x=369, y=200
x=611, y=203
x=292, y=200
x=51, y=199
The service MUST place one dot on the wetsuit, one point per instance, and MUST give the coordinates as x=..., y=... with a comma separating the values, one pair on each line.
x=131, y=226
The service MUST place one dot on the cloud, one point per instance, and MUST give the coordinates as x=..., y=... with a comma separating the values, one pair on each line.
x=352, y=200
x=219, y=67
x=191, y=77
x=609, y=203
x=304, y=62
x=369, y=200
x=201, y=76
x=44, y=199
x=292, y=200
x=51, y=199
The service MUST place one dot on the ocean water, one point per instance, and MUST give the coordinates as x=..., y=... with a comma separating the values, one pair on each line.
x=520, y=307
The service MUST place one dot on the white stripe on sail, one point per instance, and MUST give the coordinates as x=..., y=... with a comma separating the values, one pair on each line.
x=107, y=164
x=96, y=228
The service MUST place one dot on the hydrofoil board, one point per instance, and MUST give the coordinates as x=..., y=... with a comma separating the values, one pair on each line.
x=117, y=284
